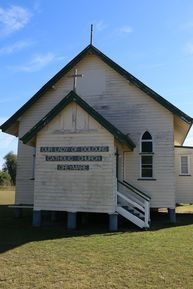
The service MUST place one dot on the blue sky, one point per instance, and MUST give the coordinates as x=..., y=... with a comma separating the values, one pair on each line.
x=153, y=40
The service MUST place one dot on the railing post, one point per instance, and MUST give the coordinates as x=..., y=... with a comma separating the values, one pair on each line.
x=36, y=218
x=116, y=189
x=71, y=220
x=147, y=213
x=113, y=222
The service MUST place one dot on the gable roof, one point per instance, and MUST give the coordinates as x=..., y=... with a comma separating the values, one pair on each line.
x=90, y=49
x=73, y=97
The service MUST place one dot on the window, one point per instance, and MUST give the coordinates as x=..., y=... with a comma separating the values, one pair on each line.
x=146, y=155
x=146, y=143
x=184, y=165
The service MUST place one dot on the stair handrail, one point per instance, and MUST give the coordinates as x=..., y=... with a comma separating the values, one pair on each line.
x=134, y=190
x=145, y=196
x=133, y=203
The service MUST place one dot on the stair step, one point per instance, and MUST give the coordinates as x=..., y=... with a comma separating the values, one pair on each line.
x=131, y=217
x=133, y=209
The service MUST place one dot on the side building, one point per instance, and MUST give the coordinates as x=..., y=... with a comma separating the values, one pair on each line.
x=184, y=174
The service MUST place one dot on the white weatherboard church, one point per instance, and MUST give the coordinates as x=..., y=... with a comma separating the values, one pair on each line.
x=96, y=139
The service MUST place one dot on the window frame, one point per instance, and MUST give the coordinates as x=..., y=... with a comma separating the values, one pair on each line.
x=188, y=166
x=142, y=154
x=146, y=140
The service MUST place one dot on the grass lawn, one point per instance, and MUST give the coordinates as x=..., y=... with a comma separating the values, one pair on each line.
x=49, y=257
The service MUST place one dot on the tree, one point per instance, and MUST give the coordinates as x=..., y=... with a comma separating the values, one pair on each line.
x=10, y=166
x=5, y=179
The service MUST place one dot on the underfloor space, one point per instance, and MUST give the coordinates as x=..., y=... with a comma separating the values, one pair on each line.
x=99, y=221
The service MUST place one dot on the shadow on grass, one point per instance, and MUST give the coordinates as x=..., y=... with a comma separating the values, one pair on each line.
x=161, y=220
x=16, y=232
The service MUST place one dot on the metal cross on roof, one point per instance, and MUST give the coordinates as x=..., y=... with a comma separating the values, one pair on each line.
x=75, y=76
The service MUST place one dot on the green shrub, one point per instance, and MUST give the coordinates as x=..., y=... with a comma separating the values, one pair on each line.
x=5, y=179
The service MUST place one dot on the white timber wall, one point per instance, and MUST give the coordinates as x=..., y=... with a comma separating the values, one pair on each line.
x=89, y=190
x=25, y=177
x=184, y=184
x=130, y=110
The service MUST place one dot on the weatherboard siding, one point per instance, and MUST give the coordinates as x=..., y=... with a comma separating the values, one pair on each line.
x=89, y=190
x=184, y=184
x=104, y=89
x=24, y=180
x=130, y=110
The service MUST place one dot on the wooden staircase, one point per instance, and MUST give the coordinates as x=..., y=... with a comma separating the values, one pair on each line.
x=133, y=204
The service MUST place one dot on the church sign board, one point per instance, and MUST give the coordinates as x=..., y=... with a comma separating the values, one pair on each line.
x=74, y=158
x=72, y=167
x=74, y=149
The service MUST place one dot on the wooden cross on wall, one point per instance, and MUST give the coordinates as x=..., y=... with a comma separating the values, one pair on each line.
x=75, y=76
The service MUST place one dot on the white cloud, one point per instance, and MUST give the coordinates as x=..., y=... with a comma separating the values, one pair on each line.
x=125, y=29
x=2, y=120
x=153, y=66
x=38, y=62
x=7, y=99
x=189, y=48
x=100, y=25
x=15, y=47
x=13, y=19
x=37, y=6
x=188, y=26
x=7, y=143
x=189, y=139
x=59, y=58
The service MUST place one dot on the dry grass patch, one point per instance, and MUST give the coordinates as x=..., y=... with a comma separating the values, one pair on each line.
x=7, y=195
x=184, y=208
